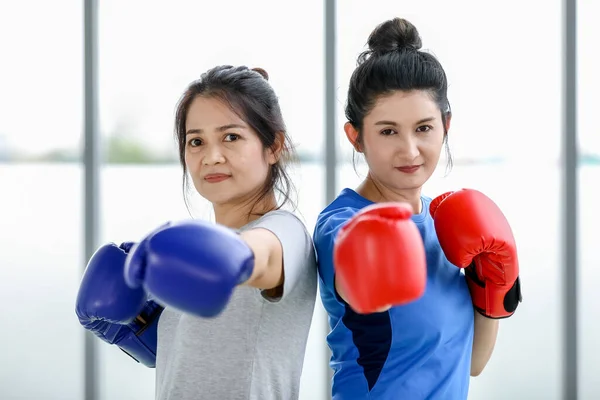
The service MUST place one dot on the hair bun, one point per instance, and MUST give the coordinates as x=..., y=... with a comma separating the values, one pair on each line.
x=262, y=72
x=393, y=35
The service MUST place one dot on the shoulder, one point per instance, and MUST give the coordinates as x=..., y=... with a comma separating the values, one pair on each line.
x=337, y=213
x=333, y=218
x=288, y=228
x=426, y=200
x=282, y=218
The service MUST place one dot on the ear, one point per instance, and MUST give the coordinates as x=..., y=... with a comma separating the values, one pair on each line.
x=448, y=119
x=352, y=135
x=274, y=152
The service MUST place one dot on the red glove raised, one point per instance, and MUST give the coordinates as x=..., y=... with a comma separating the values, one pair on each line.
x=379, y=258
x=474, y=234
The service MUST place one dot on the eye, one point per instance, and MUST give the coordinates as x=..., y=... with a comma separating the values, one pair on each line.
x=388, y=132
x=424, y=128
x=194, y=142
x=232, y=137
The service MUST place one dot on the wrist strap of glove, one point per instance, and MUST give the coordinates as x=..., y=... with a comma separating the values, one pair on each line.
x=493, y=301
x=146, y=317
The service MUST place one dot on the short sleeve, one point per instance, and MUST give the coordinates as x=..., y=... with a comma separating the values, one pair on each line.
x=299, y=258
x=324, y=237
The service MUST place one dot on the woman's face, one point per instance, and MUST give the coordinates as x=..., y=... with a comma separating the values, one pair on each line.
x=224, y=156
x=402, y=139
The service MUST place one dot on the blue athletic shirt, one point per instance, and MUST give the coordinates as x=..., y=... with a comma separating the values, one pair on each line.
x=421, y=350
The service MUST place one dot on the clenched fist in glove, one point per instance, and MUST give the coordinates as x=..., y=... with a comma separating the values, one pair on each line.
x=191, y=265
x=379, y=258
x=474, y=234
x=112, y=310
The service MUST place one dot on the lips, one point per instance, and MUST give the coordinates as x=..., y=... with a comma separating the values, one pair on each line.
x=215, y=178
x=409, y=169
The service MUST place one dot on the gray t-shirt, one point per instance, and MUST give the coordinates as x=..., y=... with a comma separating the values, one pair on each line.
x=255, y=349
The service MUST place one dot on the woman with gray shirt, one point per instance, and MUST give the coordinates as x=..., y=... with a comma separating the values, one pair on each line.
x=222, y=310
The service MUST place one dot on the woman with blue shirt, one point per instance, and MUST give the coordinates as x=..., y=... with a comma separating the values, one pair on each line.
x=406, y=323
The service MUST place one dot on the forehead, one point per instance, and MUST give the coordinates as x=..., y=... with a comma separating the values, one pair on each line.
x=210, y=111
x=404, y=106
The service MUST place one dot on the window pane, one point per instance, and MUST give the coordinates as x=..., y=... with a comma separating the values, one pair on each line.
x=505, y=88
x=41, y=227
x=589, y=198
x=148, y=55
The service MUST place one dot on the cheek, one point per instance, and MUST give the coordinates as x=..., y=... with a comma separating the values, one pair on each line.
x=191, y=161
x=379, y=151
x=250, y=165
x=251, y=176
x=372, y=144
x=186, y=159
x=432, y=146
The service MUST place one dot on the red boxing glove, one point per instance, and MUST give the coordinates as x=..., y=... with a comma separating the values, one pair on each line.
x=379, y=258
x=474, y=234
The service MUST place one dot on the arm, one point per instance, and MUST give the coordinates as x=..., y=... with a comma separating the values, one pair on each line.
x=485, y=247
x=326, y=231
x=484, y=340
x=283, y=250
x=268, y=258
x=195, y=266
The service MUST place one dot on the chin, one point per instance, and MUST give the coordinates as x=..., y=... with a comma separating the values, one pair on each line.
x=212, y=196
x=415, y=181
x=218, y=198
x=410, y=184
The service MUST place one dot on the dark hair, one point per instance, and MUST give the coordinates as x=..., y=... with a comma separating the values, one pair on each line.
x=394, y=62
x=248, y=93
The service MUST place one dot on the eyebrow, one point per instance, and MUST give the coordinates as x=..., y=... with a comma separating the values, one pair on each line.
x=421, y=121
x=220, y=129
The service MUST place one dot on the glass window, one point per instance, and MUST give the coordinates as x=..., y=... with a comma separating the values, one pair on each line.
x=589, y=213
x=41, y=243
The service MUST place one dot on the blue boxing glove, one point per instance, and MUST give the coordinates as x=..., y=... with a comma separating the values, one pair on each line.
x=193, y=266
x=113, y=311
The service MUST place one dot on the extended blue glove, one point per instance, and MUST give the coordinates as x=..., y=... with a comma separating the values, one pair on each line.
x=113, y=311
x=193, y=266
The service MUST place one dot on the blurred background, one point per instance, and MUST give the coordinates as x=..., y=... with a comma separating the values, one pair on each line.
x=505, y=65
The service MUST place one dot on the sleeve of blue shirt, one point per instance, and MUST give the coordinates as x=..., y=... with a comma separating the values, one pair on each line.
x=326, y=230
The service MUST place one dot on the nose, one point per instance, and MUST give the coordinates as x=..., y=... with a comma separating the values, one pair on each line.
x=409, y=149
x=213, y=155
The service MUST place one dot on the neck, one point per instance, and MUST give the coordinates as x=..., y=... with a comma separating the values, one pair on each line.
x=378, y=193
x=235, y=215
